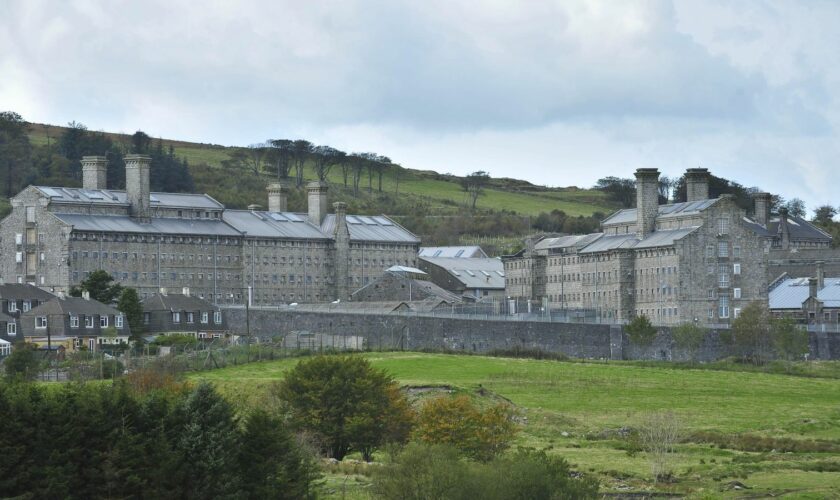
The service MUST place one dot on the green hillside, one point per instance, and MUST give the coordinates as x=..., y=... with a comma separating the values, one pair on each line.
x=441, y=192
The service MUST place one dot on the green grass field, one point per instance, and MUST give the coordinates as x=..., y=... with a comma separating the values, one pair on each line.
x=589, y=401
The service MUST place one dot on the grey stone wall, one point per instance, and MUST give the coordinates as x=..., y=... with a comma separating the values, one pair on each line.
x=412, y=332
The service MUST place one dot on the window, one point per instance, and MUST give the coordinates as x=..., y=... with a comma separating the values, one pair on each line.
x=176, y=317
x=736, y=293
x=13, y=306
x=190, y=317
x=723, y=276
x=103, y=321
x=217, y=317
x=11, y=329
x=736, y=269
x=736, y=252
x=146, y=318
x=118, y=320
x=18, y=257
x=18, y=238
x=723, y=249
x=723, y=306
x=88, y=321
x=736, y=312
x=205, y=317
x=723, y=225
x=710, y=251
x=74, y=321
x=27, y=305
x=40, y=322
x=30, y=214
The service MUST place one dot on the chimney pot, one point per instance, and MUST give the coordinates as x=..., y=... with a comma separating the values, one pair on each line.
x=94, y=172
x=647, y=200
x=697, y=184
x=812, y=287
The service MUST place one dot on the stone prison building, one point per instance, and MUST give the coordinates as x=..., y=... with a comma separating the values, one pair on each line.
x=699, y=261
x=56, y=236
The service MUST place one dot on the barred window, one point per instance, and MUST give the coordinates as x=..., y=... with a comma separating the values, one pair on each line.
x=723, y=306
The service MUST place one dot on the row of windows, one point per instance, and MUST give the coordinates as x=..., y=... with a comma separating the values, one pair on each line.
x=189, y=317
x=723, y=250
x=90, y=321
x=95, y=254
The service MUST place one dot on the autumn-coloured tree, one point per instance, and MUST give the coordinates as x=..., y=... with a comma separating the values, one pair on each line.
x=478, y=434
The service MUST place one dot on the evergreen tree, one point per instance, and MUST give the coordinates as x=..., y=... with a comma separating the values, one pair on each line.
x=101, y=287
x=207, y=444
x=270, y=463
x=129, y=304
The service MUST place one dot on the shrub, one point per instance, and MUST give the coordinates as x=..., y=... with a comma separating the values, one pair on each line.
x=458, y=422
x=23, y=362
x=425, y=471
x=346, y=403
x=641, y=331
x=688, y=336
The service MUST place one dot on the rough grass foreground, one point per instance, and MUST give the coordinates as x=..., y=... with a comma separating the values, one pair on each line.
x=743, y=432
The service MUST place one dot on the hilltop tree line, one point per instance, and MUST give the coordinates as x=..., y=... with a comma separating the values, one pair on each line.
x=58, y=162
x=673, y=190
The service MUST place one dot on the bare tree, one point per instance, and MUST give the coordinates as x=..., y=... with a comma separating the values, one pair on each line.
x=659, y=435
x=383, y=163
x=323, y=160
x=256, y=154
x=473, y=185
x=357, y=164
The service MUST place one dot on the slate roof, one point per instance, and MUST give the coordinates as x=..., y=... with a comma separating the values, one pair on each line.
x=371, y=228
x=573, y=240
x=792, y=292
x=76, y=305
x=473, y=273
x=176, y=302
x=118, y=197
x=628, y=215
x=798, y=228
x=158, y=225
x=455, y=252
x=20, y=291
x=274, y=224
x=665, y=237
x=611, y=242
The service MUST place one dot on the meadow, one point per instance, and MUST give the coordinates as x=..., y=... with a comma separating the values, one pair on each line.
x=775, y=434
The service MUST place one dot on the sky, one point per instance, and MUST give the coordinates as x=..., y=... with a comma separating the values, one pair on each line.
x=559, y=93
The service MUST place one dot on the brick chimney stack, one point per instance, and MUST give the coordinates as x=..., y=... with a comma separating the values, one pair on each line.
x=317, y=201
x=761, y=202
x=276, y=197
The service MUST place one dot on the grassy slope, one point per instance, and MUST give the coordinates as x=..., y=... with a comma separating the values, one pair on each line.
x=412, y=184
x=588, y=398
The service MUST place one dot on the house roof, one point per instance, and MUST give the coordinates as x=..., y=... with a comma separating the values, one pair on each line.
x=473, y=251
x=792, y=292
x=628, y=215
x=76, y=305
x=371, y=228
x=798, y=229
x=176, y=302
x=118, y=197
x=21, y=291
x=158, y=225
x=472, y=273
